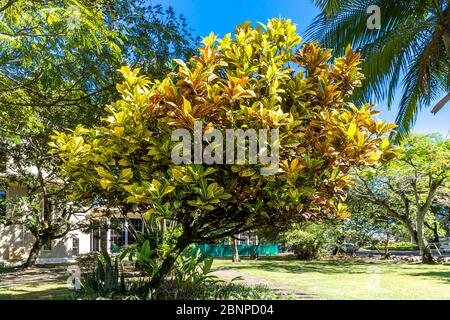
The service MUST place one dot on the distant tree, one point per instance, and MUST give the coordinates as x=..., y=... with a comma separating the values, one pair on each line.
x=413, y=39
x=368, y=225
x=58, y=68
x=406, y=188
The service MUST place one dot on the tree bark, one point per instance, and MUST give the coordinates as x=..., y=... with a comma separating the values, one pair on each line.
x=386, y=246
x=234, y=250
x=414, y=238
x=34, y=253
x=425, y=251
x=167, y=264
x=435, y=229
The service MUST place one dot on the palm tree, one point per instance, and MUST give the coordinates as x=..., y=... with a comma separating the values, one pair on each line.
x=410, y=50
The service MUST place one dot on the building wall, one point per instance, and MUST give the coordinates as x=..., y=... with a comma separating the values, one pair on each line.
x=16, y=241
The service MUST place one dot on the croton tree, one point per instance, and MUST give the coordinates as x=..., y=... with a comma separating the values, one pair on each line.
x=257, y=78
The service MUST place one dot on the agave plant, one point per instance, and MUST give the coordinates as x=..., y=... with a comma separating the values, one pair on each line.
x=413, y=41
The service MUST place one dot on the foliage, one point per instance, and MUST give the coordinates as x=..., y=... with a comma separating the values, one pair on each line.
x=403, y=246
x=413, y=40
x=210, y=291
x=229, y=291
x=80, y=45
x=47, y=91
x=367, y=226
x=192, y=268
x=404, y=190
x=87, y=261
x=238, y=82
x=106, y=278
x=307, y=242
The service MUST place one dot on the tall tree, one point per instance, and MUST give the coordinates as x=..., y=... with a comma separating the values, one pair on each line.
x=241, y=81
x=405, y=189
x=413, y=41
x=57, y=69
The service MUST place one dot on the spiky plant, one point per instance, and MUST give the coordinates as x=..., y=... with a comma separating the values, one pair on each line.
x=410, y=51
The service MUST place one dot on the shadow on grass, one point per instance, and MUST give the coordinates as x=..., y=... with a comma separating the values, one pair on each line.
x=292, y=265
x=23, y=294
x=443, y=276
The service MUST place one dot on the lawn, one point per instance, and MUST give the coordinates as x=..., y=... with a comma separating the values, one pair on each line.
x=33, y=284
x=337, y=279
x=35, y=291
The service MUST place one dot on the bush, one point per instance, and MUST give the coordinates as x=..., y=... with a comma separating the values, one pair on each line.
x=223, y=291
x=307, y=244
x=407, y=246
x=87, y=261
x=209, y=291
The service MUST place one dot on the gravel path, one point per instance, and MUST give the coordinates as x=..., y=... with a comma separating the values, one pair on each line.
x=229, y=274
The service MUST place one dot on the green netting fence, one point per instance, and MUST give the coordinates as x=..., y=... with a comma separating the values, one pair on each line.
x=224, y=250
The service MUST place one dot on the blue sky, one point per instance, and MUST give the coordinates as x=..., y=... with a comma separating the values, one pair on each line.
x=221, y=17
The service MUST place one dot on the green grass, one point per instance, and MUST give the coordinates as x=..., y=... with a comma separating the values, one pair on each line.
x=332, y=279
x=35, y=291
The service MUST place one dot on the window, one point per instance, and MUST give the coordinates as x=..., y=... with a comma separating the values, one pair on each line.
x=138, y=227
x=99, y=239
x=75, y=246
x=117, y=234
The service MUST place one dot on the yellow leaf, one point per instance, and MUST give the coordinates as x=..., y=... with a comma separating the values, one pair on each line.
x=384, y=144
x=118, y=131
x=187, y=108
x=126, y=174
x=248, y=173
x=105, y=183
x=351, y=130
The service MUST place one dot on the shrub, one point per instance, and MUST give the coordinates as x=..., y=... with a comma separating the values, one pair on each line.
x=106, y=278
x=224, y=291
x=210, y=291
x=307, y=244
x=396, y=246
x=87, y=261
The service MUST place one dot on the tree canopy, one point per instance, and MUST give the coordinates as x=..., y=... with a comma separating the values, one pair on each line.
x=242, y=81
x=406, y=188
x=58, y=69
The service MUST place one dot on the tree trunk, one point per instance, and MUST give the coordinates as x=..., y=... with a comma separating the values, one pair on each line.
x=167, y=264
x=414, y=239
x=386, y=247
x=435, y=232
x=386, y=250
x=234, y=250
x=412, y=231
x=34, y=253
x=425, y=251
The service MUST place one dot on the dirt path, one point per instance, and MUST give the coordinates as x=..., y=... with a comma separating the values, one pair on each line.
x=32, y=275
x=229, y=274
